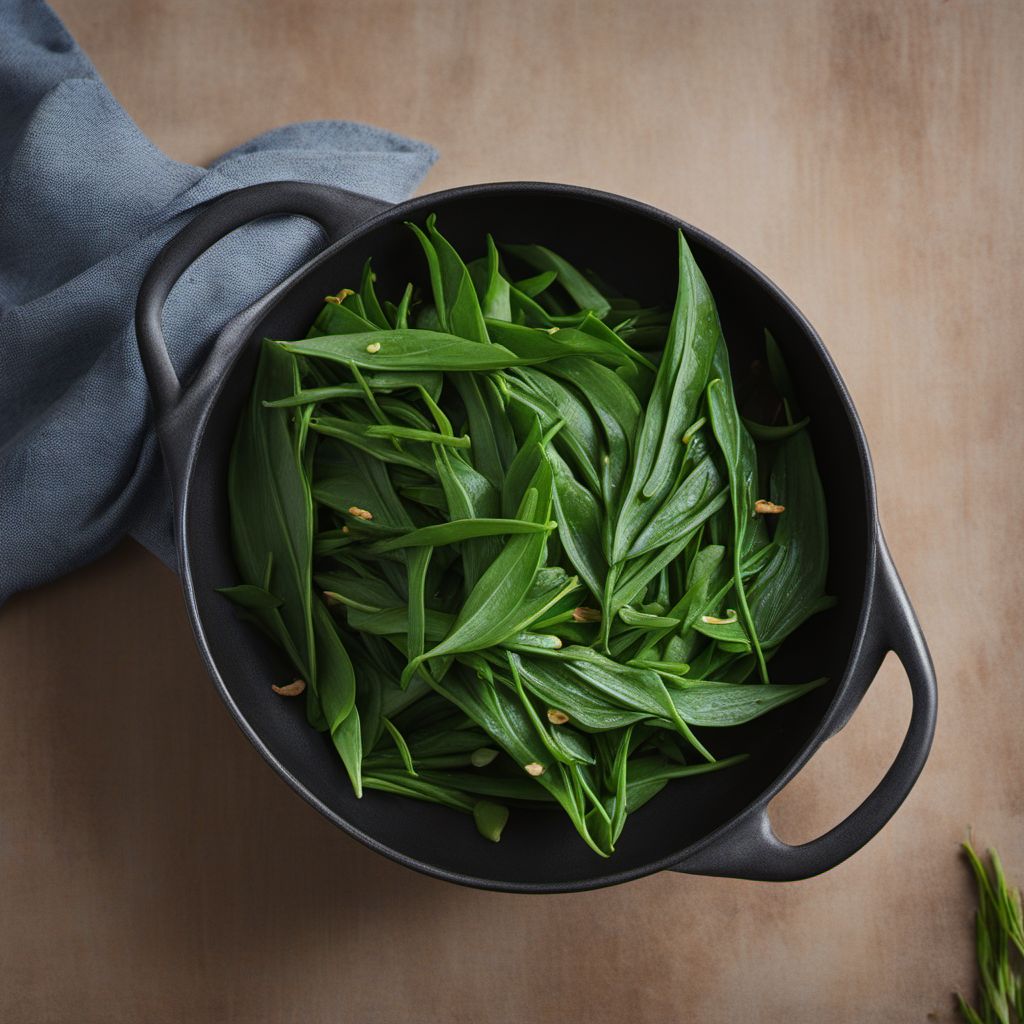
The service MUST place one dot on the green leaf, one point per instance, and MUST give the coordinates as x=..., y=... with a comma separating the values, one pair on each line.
x=597, y=328
x=554, y=682
x=402, y=312
x=526, y=310
x=459, y=530
x=578, y=434
x=496, y=607
x=502, y=717
x=791, y=588
x=491, y=433
x=634, y=688
x=646, y=776
x=336, y=690
x=480, y=625
x=741, y=462
x=768, y=434
x=707, y=703
x=401, y=745
x=582, y=291
x=359, y=592
x=533, y=286
x=616, y=408
x=311, y=396
x=620, y=773
x=271, y=507
x=394, y=622
x=469, y=495
x=462, y=314
x=490, y=819
x=540, y=345
x=523, y=467
x=693, y=337
x=643, y=620
x=779, y=372
x=336, y=318
x=374, y=312
x=417, y=564
x=356, y=435
x=428, y=495
x=726, y=632
x=701, y=493
x=496, y=302
x=413, y=434
x=417, y=787
x=579, y=525
x=247, y=595
x=519, y=787
x=413, y=349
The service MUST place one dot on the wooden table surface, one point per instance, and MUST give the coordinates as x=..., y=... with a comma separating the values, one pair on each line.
x=868, y=157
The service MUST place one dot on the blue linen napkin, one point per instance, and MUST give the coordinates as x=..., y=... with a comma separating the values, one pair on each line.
x=86, y=202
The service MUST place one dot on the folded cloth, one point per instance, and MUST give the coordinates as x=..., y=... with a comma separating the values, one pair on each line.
x=86, y=202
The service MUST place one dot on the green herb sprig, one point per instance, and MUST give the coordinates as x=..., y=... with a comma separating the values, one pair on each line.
x=515, y=538
x=999, y=943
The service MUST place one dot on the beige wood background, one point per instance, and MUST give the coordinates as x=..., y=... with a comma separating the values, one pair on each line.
x=868, y=156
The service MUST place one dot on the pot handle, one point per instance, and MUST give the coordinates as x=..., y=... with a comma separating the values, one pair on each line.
x=750, y=848
x=336, y=210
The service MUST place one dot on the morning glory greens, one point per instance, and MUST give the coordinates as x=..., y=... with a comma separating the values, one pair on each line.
x=517, y=541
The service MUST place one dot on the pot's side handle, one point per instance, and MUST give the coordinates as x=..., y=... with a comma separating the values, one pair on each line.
x=336, y=210
x=750, y=849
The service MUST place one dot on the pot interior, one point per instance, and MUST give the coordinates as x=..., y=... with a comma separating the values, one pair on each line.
x=634, y=248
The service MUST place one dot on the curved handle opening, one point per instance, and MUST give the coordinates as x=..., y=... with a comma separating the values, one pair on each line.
x=849, y=764
x=336, y=210
x=751, y=849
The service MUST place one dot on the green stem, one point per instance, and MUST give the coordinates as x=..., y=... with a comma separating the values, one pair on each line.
x=748, y=619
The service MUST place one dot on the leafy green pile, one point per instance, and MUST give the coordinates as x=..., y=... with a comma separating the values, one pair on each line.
x=999, y=934
x=501, y=545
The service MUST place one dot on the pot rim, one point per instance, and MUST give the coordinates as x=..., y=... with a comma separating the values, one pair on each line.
x=238, y=332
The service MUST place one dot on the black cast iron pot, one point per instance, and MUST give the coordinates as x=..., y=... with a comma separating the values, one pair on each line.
x=713, y=824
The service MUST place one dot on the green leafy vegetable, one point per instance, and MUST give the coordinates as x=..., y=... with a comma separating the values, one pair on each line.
x=999, y=946
x=498, y=526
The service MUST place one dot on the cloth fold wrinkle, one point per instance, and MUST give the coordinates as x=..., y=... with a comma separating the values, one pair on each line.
x=86, y=203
